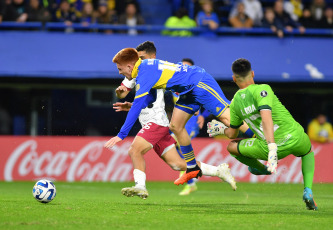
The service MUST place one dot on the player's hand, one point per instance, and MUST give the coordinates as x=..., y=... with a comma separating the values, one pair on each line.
x=121, y=88
x=112, y=142
x=201, y=121
x=272, y=158
x=121, y=91
x=122, y=106
x=215, y=128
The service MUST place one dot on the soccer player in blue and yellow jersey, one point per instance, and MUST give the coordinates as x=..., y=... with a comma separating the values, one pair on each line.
x=195, y=87
x=193, y=126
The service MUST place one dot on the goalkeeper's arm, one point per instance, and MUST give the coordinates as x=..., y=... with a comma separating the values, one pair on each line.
x=231, y=133
x=268, y=128
x=215, y=128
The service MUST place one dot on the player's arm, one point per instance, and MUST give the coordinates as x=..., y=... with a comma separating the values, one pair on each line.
x=267, y=125
x=235, y=123
x=264, y=97
x=143, y=97
x=132, y=116
x=268, y=128
x=231, y=133
x=123, y=90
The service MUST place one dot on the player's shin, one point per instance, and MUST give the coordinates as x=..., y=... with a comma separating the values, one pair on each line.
x=308, y=167
x=254, y=163
x=188, y=154
x=139, y=178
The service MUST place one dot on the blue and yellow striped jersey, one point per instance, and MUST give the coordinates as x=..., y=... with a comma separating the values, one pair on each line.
x=153, y=74
x=158, y=74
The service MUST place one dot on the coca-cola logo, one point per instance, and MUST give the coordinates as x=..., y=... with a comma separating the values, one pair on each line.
x=85, y=159
x=86, y=164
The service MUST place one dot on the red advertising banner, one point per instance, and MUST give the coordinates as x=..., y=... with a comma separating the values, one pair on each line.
x=85, y=159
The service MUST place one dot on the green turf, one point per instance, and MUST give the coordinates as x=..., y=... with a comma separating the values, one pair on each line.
x=213, y=206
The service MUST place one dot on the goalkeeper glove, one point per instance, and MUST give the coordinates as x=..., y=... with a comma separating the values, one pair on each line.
x=272, y=158
x=215, y=128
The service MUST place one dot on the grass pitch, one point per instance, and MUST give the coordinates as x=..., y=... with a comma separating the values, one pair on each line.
x=213, y=206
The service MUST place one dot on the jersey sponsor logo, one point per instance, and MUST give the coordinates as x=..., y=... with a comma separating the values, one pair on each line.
x=263, y=93
x=137, y=87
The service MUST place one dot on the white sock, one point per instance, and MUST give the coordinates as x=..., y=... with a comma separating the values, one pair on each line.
x=139, y=178
x=208, y=170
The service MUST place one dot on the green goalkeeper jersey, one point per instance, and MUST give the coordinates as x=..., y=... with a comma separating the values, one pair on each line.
x=246, y=106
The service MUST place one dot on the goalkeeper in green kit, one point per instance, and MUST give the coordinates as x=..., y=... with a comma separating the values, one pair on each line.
x=278, y=134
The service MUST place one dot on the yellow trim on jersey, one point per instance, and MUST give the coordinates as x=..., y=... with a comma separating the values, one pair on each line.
x=135, y=70
x=184, y=106
x=222, y=111
x=215, y=94
x=141, y=95
x=212, y=91
x=165, y=77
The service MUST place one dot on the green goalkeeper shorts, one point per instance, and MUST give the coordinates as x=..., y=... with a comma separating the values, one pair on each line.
x=258, y=149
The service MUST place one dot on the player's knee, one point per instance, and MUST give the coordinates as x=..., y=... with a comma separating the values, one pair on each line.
x=232, y=148
x=175, y=129
x=176, y=167
x=133, y=152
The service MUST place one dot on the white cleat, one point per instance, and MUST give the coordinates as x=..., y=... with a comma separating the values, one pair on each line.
x=135, y=191
x=223, y=172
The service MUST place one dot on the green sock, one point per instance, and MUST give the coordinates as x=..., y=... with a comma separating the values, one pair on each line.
x=254, y=163
x=308, y=166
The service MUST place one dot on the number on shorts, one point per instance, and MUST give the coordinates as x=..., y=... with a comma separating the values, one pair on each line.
x=249, y=143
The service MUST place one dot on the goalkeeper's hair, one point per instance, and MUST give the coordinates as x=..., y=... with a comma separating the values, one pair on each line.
x=125, y=56
x=147, y=46
x=241, y=67
x=189, y=60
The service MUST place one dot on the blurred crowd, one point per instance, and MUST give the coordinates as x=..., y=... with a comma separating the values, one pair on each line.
x=72, y=11
x=278, y=15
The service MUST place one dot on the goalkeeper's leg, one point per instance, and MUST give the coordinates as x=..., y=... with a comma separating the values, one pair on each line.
x=308, y=166
x=250, y=147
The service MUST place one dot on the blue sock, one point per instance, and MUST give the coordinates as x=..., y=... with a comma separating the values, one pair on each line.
x=249, y=133
x=188, y=155
x=190, y=181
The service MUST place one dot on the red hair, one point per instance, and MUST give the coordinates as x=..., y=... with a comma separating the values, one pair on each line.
x=127, y=55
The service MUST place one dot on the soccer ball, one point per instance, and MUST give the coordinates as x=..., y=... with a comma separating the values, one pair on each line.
x=44, y=191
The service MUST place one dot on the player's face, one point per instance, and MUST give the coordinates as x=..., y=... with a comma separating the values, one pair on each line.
x=126, y=70
x=144, y=55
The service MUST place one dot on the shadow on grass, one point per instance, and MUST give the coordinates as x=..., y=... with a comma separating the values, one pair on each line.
x=231, y=208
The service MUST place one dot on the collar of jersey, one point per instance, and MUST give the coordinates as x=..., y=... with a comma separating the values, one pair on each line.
x=135, y=70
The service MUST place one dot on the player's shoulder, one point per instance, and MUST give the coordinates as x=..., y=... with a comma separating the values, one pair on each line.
x=261, y=86
x=262, y=89
x=146, y=63
x=237, y=95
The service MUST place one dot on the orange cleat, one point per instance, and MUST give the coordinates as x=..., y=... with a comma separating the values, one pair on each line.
x=188, y=175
